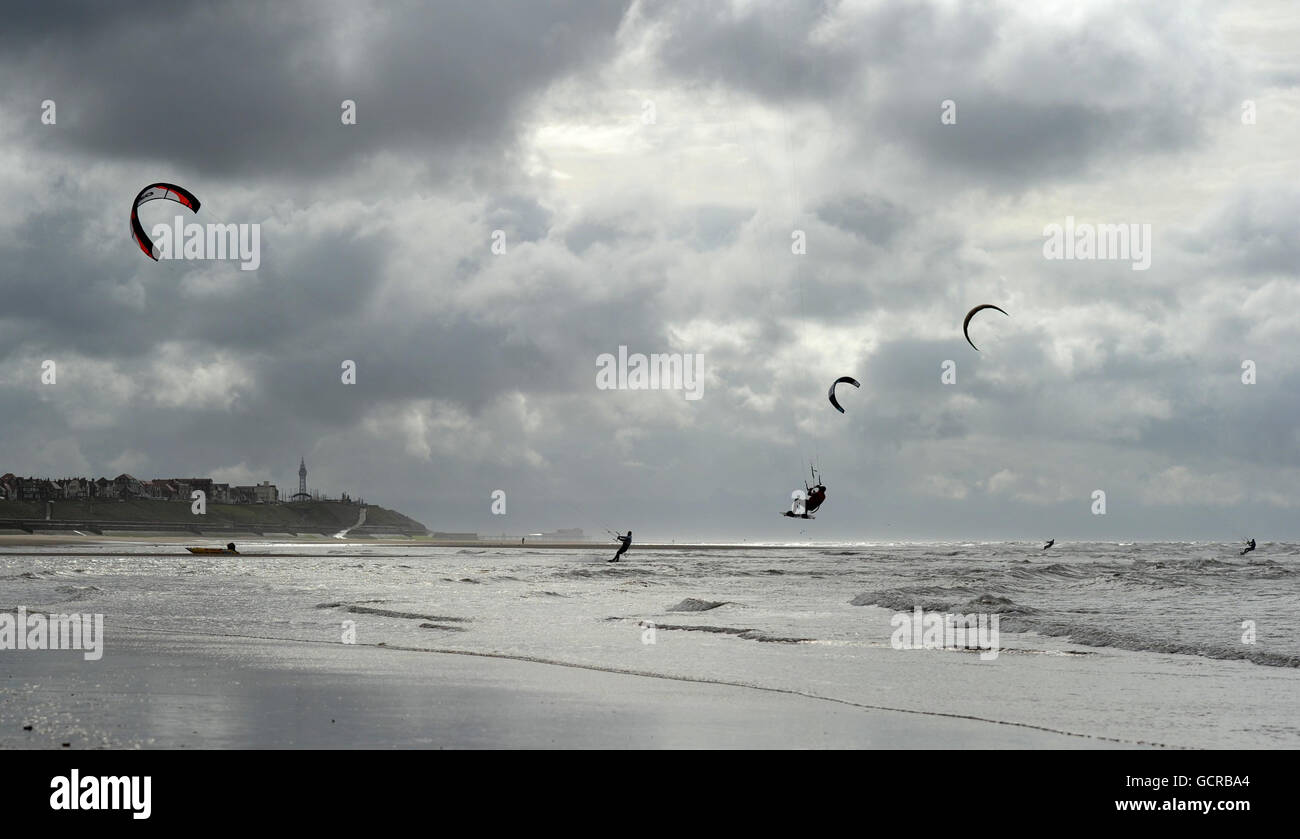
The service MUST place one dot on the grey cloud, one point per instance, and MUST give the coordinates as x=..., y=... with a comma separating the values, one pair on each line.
x=254, y=88
x=1097, y=94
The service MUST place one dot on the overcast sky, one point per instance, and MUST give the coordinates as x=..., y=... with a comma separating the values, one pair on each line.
x=648, y=163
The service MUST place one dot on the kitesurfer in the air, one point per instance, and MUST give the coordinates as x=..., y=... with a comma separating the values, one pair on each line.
x=1250, y=546
x=814, y=496
x=622, y=549
x=1050, y=542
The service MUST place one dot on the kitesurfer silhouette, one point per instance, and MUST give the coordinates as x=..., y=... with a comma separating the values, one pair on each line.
x=814, y=497
x=1250, y=546
x=627, y=543
x=1050, y=542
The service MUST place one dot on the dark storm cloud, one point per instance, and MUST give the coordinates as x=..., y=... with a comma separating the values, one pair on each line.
x=60, y=296
x=1098, y=93
x=251, y=88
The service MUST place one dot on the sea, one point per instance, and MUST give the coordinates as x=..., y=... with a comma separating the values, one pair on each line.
x=1095, y=636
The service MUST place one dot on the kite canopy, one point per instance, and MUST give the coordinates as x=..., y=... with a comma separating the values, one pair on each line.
x=830, y=394
x=966, y=323
x=153, y=192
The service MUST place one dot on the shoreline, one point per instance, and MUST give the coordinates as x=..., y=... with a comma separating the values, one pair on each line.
x=536, y=649
x=228, y=692
x=19, y=540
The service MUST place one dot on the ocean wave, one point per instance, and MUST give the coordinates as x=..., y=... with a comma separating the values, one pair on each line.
x=1203, y=564
x=1021, y=619
x=1095, y=636
x=442, y=626
x=747, y=634
x=338, y=604
x=73, y=593
x=929, y=598
x=1053, y=570
x=691, y=604
x=603, y=569
x=937, y=599
x=387, y=613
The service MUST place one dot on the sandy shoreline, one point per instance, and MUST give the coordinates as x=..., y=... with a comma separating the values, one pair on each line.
x=188, y=691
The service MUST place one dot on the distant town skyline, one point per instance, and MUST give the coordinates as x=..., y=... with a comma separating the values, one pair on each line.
x=125, y=485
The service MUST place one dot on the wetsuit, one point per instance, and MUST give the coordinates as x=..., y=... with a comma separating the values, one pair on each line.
x=627, y=543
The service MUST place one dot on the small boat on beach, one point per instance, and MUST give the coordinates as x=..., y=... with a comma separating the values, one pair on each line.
x=228, y=550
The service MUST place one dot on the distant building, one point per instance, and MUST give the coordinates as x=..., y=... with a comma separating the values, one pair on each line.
x=127, y=486
x=124, y=486
x=74, y=489
x=564, y=534
x=301, y=494
x=159, y=489
x=38, y=489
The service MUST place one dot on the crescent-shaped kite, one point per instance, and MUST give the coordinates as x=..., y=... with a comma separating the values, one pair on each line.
x=830, y=394
x=152, y=192
x=966, y=324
